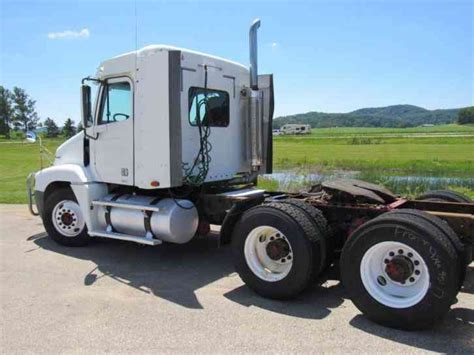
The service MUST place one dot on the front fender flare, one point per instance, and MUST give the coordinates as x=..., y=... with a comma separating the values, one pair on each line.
x=83, y=186
x=71, y=173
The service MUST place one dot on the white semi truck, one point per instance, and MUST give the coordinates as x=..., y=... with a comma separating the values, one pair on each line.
x=175, y=141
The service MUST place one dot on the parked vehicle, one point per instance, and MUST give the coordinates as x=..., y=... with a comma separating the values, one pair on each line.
x=291, y=128
x=176, y=141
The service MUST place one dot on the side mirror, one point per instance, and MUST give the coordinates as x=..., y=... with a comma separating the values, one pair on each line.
x=86, y=105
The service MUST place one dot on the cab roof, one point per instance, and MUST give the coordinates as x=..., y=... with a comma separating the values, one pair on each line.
x=162, y=47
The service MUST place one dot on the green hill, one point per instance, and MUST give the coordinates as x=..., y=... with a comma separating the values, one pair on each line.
x=389, y=116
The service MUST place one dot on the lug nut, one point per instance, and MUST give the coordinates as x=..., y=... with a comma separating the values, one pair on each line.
x=381, y=280
x=416, y=262
x=283, y=260
x=391, y=253
x=417, y=272
x=400, y=251
x=386, y=261
x=410, y=255
x=412, y=279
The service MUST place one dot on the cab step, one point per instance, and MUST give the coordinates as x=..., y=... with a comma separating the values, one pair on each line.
x=129, y=238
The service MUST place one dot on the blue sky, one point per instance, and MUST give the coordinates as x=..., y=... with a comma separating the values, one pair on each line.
x=331, y=56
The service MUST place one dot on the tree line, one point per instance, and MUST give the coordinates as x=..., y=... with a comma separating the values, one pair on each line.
x=18, y=114
x=466, y=115
x=399, y=116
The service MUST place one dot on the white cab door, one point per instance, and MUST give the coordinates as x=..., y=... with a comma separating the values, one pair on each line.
x=112, y=151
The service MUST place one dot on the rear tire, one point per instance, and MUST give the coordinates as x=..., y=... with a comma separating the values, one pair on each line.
x=259, y=266
x=320, y=223
x=444, y=195
x=401, y=271
x=63, y=218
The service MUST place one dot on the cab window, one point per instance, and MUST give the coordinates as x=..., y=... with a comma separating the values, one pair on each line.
x=116, y=104
x=210, y=107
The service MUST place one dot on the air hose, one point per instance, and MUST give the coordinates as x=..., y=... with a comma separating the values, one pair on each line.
x=197, y=173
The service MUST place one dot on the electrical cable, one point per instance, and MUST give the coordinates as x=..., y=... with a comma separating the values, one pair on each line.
x=197, y=173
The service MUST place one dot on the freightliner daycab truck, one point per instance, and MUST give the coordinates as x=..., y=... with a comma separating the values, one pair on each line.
x=174, y=141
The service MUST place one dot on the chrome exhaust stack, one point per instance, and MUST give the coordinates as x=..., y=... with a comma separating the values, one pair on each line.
x=253, y=54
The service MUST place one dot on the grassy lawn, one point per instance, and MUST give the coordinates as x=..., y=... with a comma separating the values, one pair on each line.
x=408, y=155
x=18, y=159
x=346, y=131
x=411, y=151
x=375, y=152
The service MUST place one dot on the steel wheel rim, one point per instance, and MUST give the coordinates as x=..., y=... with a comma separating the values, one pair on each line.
x=68, y=219
x=256, y=250
x=379, y=282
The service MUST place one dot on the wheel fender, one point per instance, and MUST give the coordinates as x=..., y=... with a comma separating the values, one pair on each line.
x=71, y=173
x=82, y=185
x=233, y=216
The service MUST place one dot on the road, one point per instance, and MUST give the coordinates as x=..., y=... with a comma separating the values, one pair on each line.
x=118, y=297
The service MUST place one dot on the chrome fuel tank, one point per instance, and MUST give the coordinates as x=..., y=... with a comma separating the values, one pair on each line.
x=176, y=221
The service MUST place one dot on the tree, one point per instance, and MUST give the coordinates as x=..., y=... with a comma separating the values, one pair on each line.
x=466, y=115
x=24, y=113
x=6, y=111
x=69, y=130
x=79, y=127
x=52, y=129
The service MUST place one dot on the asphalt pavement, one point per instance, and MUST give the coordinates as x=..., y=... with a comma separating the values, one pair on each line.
x=120, y=297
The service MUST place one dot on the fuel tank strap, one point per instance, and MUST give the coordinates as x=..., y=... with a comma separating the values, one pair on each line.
x=108, y=209
x=147, y=218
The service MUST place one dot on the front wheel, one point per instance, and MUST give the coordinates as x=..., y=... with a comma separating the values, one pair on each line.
x=63, y=218
x=400, y=271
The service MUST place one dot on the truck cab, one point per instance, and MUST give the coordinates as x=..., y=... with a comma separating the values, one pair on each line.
x=163, y=122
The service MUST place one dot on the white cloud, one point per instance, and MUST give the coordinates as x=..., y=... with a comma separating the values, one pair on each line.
x=68, y=34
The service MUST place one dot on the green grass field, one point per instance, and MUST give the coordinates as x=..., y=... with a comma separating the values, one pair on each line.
x=377, y=153
x=440, y=129
x=18, y=159
x=393, y=150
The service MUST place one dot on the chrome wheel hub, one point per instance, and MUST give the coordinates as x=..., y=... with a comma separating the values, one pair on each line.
x=67, y=218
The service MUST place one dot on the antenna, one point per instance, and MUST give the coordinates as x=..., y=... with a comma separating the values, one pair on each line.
x=136, y=37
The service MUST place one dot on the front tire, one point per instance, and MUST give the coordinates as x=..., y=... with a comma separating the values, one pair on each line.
x=400, y=271
x=63, y=218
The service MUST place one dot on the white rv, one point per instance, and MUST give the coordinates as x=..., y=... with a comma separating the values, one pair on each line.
x=291, y=128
